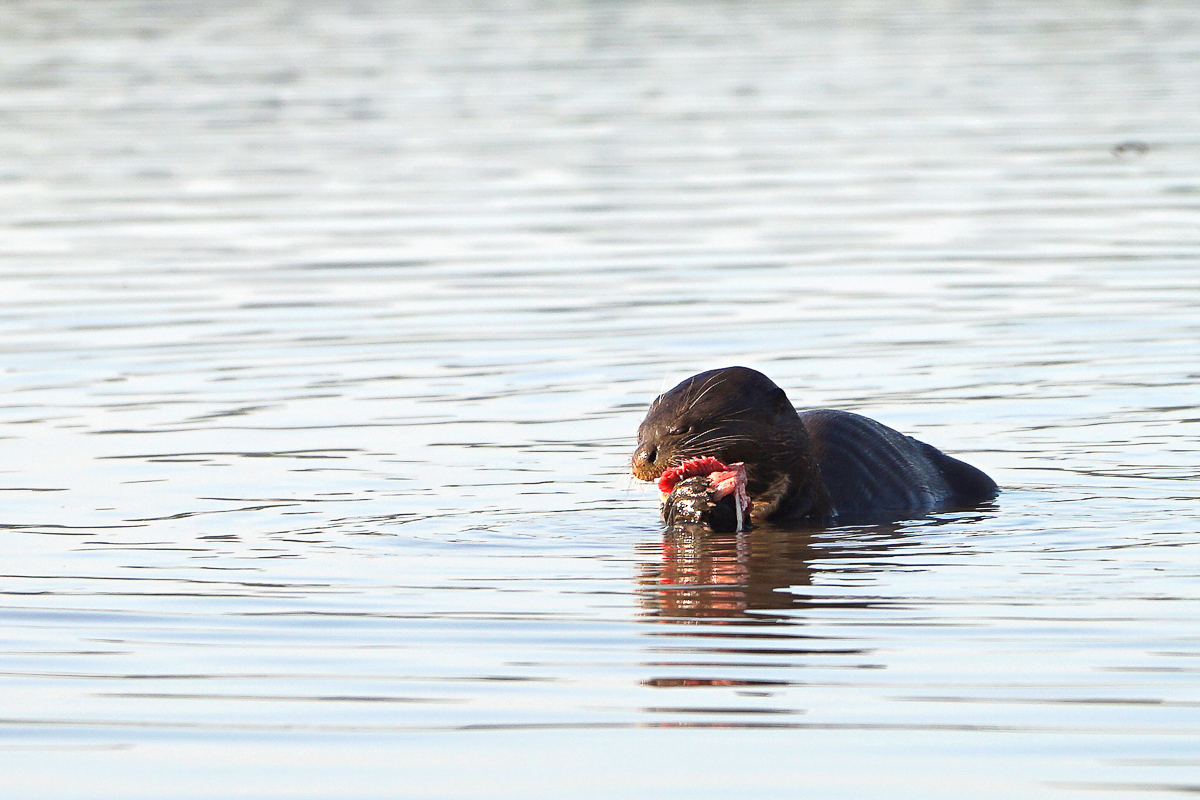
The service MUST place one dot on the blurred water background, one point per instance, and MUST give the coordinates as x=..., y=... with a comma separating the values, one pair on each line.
x=327, y=327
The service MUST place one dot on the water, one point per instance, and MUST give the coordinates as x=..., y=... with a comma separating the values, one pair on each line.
x=327, y=327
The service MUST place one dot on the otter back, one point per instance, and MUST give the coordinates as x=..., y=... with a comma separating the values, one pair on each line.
x=868, y=468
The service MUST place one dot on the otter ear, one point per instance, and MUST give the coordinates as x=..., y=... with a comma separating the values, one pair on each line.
x=779, y=399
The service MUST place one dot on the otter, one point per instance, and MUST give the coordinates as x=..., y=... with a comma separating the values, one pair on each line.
x=815, y=465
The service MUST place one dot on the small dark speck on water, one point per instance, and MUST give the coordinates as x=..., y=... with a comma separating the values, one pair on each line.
x=1130, y=149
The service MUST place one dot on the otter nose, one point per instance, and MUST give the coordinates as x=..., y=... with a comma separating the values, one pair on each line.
x=643, y=461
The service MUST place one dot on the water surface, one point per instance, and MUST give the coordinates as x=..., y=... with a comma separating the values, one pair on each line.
x=326, y=330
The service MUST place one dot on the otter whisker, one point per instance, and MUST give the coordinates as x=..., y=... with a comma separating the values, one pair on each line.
x=700, y=452
x=714, y=434
x=709, y=449
x=734, y=415
x=712, y=384
x=699, y=447
x=713, y=440
x=713, y=430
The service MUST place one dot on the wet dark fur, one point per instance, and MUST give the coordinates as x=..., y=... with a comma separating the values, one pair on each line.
x=815, y=464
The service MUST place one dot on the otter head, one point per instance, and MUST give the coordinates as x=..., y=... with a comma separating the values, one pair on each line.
x=733, y=414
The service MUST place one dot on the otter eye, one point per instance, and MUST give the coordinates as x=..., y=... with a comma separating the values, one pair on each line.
x=679, y=430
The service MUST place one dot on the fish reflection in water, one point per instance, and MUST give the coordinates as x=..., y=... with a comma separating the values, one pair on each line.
x=703, y=574
x=697, y=573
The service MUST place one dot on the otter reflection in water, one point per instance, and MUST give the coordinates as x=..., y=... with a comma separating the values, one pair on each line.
x=698, y=574
x=695, y=573
x=817, y=465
